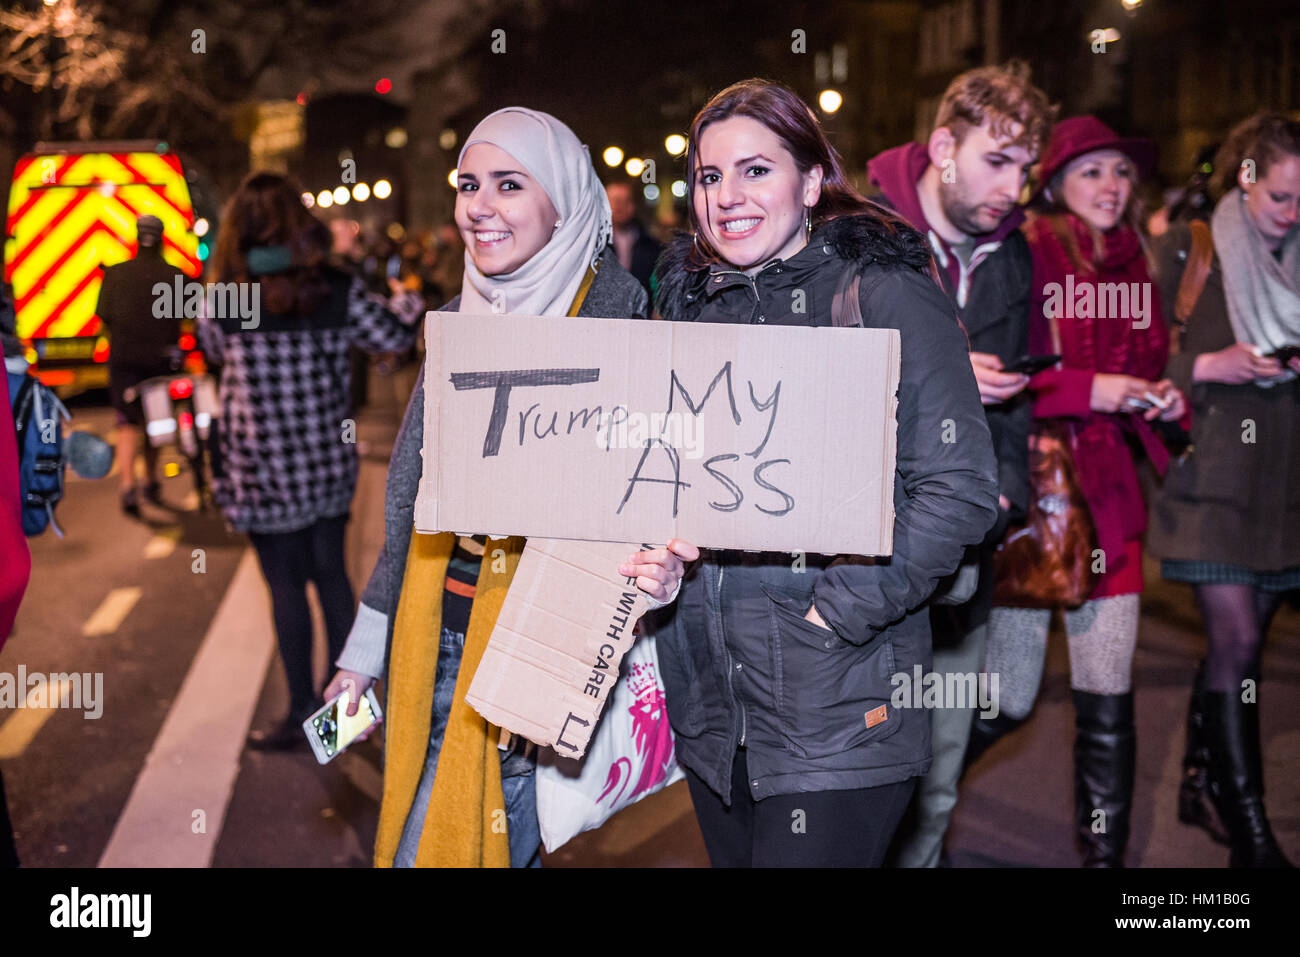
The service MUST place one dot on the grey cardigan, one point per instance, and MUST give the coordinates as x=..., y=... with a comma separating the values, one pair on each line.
x=613, y=294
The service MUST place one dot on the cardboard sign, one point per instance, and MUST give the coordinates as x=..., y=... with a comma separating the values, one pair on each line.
x=554, y=655
x=770, y=438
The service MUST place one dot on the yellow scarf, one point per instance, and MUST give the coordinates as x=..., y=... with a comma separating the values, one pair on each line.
x=465, y=825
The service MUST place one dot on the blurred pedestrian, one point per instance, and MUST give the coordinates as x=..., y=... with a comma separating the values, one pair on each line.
x=769, y=677
x=1086, y=238
x=141, y=345
x=961, y=188
x=637, y=249
x=538, y=241
x=14, y=573
x=1228, y=517
x=288, y=439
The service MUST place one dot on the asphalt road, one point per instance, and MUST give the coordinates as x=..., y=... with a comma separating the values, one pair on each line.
x=122, y=598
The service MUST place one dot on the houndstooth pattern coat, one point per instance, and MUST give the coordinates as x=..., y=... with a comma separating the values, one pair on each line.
x=287, y=437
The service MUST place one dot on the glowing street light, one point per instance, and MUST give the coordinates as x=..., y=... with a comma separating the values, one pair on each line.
x=383, y=189
x=675, y=144
x=452, y=178
x=341, y=196
x=324, y=199
x=634, y=166
x=830, y=101
x=361, y=192
x=308, y=200
x=613, y=156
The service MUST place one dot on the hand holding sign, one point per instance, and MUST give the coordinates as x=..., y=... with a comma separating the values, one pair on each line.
x=658, y=570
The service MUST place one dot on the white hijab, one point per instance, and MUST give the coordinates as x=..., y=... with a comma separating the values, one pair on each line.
x=547, y=284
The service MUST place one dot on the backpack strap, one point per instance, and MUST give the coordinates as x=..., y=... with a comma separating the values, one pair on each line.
x=1196, y=272
x=846, y=308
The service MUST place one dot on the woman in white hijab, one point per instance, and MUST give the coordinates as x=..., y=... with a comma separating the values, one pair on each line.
x=536, y=225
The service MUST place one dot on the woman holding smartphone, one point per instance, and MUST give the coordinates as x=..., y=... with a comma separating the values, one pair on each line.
x=1228, y=519
x=778, y=672
x=536, y=225
x=1084, y=240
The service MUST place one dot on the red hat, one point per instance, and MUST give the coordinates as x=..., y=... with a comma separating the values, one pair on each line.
x=1082, y=134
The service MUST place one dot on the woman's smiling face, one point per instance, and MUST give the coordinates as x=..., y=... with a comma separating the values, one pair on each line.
x=749, y=194
x=503, y=214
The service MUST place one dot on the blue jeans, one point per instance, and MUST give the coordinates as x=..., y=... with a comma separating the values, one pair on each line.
x=517, y=772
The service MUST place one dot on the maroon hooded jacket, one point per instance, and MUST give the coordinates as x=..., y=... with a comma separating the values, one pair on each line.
x=15, y=559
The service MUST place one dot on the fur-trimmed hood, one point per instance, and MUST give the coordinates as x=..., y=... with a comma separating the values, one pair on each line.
x=863, y=239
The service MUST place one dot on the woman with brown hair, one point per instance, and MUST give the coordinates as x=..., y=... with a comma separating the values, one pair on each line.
x=779, y=673
x=1227, y=518
x=1087, y=249
x=287, y=451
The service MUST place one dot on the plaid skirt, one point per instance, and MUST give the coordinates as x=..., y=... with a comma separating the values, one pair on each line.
x=1214, y=573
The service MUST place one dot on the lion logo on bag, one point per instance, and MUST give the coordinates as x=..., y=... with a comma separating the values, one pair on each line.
x=652, y=737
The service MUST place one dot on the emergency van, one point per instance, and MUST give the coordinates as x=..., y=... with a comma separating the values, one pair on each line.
x=72, y=211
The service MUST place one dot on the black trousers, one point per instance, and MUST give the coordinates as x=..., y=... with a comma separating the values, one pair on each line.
x=289, y=561
x=8, y=852
x=809, y=829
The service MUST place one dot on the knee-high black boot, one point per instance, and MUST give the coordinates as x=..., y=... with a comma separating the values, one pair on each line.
x=1105, y=755
x=1237, y=780
x=1195, y=803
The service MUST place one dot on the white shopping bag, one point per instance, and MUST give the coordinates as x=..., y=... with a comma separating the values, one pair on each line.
x=630, y=755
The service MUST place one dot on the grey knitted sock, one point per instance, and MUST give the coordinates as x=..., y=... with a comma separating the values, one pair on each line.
x=1017, y=647
x=1103, y=637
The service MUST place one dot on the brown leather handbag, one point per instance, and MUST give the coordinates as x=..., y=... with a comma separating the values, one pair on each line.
x=1047, y=561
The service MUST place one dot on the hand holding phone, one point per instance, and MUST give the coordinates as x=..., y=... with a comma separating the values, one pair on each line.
x=1031, y=365
x=330, y=730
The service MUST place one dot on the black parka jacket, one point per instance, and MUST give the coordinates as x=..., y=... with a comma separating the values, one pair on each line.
x=741, y=665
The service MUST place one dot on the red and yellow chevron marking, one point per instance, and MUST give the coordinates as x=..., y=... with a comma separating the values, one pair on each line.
x=70, y=215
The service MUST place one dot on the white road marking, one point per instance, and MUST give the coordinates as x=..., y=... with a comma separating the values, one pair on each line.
x=105, y=619
x=163, y=543
x=195, y=758
x=17, y=732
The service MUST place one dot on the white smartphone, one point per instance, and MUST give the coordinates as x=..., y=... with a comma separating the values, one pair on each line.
x=330, y=730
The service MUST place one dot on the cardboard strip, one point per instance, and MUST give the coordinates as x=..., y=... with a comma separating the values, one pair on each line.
x=554, y=655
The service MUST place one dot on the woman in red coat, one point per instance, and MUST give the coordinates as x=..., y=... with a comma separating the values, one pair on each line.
x=1092, y=284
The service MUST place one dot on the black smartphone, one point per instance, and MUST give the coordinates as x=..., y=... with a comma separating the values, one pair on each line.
x=1031, y=365
x=1285, y=354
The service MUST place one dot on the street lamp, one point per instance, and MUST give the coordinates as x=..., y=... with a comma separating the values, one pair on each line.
x=675, y=144
x=830, y=101
x=382, y=189
x=613, y=156
x=634, y=166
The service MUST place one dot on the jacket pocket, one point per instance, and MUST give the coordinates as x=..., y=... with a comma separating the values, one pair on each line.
x=1215, y=469
x=682, y=690
x=831, y=696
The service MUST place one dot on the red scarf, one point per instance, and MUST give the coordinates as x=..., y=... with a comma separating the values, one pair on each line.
x=1063, y=246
